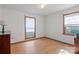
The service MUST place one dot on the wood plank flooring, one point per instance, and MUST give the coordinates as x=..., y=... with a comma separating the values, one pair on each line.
x=42, y=46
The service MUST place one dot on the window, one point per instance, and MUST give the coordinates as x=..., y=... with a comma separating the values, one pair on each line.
x=71, y=23
x=30, y=27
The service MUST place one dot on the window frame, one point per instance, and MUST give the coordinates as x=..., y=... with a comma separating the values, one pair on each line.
x=64, y=22
x=25, y=26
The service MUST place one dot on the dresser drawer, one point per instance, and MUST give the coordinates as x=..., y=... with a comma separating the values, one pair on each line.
x=0, y=44
x=5, y=44
x=76, y=41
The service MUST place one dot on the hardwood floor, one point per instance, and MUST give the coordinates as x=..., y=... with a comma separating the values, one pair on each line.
x=42, y=46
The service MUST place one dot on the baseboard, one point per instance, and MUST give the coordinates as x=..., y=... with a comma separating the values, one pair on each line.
x=26, y=40
x=58, y=41
x=40, y=38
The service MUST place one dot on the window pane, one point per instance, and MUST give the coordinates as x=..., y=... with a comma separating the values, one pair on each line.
x=30, y=27
x=71, y=24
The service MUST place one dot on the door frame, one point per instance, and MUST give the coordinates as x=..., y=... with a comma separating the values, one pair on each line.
x=25, y=26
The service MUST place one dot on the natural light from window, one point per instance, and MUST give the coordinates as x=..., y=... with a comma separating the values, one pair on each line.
x=71, y=23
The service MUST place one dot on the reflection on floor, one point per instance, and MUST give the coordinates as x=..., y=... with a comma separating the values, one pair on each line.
x=42, y=46
x=64, y=51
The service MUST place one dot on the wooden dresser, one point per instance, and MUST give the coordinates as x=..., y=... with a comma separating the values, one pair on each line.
x=4, y=43
x=76, y=41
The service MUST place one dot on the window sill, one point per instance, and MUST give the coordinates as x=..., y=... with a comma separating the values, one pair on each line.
x=68, y=34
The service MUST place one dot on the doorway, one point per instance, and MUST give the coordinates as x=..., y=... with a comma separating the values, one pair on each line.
x=30, y=27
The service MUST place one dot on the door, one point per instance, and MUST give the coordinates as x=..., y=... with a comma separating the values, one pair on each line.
x=30, y=27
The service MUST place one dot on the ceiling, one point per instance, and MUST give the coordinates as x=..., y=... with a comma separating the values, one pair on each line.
x=35, y=8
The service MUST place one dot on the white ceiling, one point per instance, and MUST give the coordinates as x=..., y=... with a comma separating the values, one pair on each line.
x=35, y=9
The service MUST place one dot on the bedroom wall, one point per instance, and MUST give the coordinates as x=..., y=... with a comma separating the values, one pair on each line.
x=54, y=25
x=0, y=17
x=15, y=24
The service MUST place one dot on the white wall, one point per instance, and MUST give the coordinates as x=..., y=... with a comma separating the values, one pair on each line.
x=0, y=18
x=0, y=13
x=54, y=25
x=15, y=21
